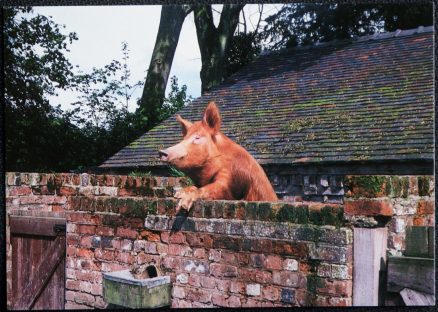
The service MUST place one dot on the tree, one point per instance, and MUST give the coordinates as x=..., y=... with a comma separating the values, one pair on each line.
x=171, y=21
x=37, y=134
x=214, y=42
x=305, y=23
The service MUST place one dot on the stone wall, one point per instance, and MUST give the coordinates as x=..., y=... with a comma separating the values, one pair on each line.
x=224, y=253
x=392, y=201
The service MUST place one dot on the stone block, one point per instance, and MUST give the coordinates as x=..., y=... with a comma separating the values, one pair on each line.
x=122, y=289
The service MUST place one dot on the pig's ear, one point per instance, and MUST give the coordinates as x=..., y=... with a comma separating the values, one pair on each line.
x=185, y=124
x=212, y=118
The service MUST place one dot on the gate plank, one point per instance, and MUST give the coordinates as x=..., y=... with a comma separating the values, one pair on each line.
x=416, y=298
x=34, y=225
x=410, y=272
x=48, y=264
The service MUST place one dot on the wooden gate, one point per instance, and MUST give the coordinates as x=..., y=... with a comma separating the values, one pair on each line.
x=38, y=262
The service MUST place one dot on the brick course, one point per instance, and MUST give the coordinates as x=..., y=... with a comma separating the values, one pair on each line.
x=227, y=253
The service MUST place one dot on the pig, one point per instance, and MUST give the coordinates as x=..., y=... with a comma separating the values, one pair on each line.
x=219, y=167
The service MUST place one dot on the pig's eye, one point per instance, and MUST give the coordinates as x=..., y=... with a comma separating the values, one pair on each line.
x=196, y=139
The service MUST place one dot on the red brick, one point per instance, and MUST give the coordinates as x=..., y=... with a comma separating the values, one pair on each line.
x=183, y=304
x=125, y=257
x=86, y=229
x=208, y=282
x=194, y=280
x=58, y=208
x=179, y=250
x=162, y=248
x=220, y=270
x=229, y=257
x=171, y=263
x=165, y=237
x=85, y=275
x=127, y=233
x=419, y=221
x=70, y=295
x=126, y=244
x=274, y=262
x=263, y=277
x=257, y=260
x=112, y=267
x=234, y=302
x=84, y=253
x=100, y=303
x=214, y=255
x=237, y=287
x=73, y=285
x=86, y=241
x=105, y=231
x=200, y=253
x=335, y=288
x=251, y=303
x=425, y=207
x=85, y=286
x=178, y=292
x=247, y=275
x=368, y=208
x=219, y=300
x=19, y=190
x=150, y=236
x=150, y=248
x=243, y=259
x=198, y=295
x=83, y=298
x=90, y=264
x=68, y=191
x=286, y=278
x=199, y=240
x=104, y=254
x=223, y=285
x=71, y=251
x=177, y=238
x=270, y=293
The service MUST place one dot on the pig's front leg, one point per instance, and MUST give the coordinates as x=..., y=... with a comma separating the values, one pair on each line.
x=188, y=195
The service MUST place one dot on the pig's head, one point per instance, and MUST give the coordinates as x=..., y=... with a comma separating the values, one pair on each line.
x=199, y=141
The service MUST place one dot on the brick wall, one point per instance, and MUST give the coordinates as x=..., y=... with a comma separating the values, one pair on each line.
x=227, y=253
x=392, y=201
x=41, y=194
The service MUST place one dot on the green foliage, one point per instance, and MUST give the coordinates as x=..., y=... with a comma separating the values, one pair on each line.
x=176, y=99
x=141, y=174
x=40, y=137
x=179, y=174
x=244, y=48
x=305, y=23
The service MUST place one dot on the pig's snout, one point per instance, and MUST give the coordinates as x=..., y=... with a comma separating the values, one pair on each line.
x=163, y=155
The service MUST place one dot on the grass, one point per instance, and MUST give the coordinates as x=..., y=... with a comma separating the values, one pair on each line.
x=136, y=173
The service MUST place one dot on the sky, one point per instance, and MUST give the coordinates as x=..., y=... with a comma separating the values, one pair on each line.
x=102, y=29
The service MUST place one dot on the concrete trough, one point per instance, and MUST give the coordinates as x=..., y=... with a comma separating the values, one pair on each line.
x=121, y=288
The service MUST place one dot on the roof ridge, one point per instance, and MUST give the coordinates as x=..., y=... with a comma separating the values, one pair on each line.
x=376, y=36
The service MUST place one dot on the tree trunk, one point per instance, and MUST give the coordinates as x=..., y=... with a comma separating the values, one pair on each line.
x=171, y=21
x=214, y=43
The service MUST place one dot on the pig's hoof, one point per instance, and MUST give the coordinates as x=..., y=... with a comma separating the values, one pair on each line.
x=181, y=193
x=187, y=197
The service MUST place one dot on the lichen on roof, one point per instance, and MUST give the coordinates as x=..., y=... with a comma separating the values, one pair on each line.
x=368, y=100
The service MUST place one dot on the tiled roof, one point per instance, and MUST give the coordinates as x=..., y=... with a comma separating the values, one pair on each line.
x=369, y=99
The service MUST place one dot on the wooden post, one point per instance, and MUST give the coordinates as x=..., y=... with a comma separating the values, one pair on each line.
x=369, y=260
